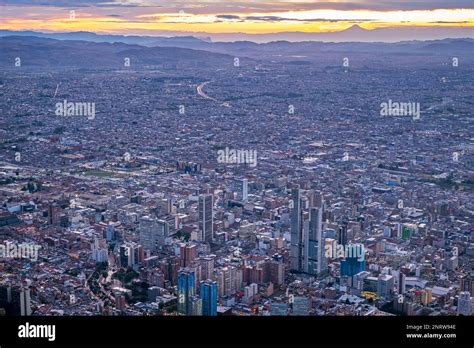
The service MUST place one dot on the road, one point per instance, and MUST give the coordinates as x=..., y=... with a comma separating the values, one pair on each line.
x=200, y=91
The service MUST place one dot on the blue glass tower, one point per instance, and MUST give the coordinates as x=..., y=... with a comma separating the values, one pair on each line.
x=350, y=266
x=186, y=290
x=208, y=294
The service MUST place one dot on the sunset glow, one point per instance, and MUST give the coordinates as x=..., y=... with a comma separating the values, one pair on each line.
x=137, y=17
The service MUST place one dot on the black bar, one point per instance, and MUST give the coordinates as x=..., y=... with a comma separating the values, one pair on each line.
x=374, y=330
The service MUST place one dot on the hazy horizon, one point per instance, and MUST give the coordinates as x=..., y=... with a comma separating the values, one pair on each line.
x=262, y=21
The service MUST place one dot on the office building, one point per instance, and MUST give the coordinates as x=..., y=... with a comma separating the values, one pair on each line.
x=153, y=232
x=466, y=284
x=342, y=234
x=401, y=283
x=464, y=303
x=385, y=284
x=315, y=258
x=186, y=290
x=188, y=253
x=208, y=292
x=296, y=232
x=196, y=305
x=352, y=264
x=25, y=302
x=206, y=228
x=241, y=187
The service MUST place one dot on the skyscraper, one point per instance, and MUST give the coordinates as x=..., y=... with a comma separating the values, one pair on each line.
x=315, y=260
x=353, y=264
x=342, y=234
x=188, y=253
x=385, y=284
x=153, y=232
x=124, y=251
x=186, y=290
x=467, y=284
x=206, y=228
x=306, y=243
x=401, y=283
x=25, y=302
x=296, y=231
x=52, y=214
x=196, y=305
x=464, y=303
x=241, y=187
x=208, y=293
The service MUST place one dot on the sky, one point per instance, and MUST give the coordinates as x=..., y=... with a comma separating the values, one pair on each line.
x=148, y=17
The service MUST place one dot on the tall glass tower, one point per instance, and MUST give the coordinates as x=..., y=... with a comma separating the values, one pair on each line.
x=208, y=294
x=296, y=232
x=315, y=260
x=206, y=228
x=186, y=290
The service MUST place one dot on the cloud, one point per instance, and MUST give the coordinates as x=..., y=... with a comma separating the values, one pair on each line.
x=255, y=6
x=227, y=17
x=82, y=3
x=54, y=3
x=280, y=19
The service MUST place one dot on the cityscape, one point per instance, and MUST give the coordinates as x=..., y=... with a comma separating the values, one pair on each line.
x=210, y=175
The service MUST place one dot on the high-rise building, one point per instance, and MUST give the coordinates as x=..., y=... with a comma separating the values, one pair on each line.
x=315, y=258
x=123, y=255
x=25, y=302
x=186, y=290
x=131, y=255
x=467, y=284
x=188, y=253
x=352, y=265
x=99, y=250
x=249, y=292
x=12, y=300
x=120, y=302
x=274, y=272
x=170, y=268
x=196, y=305
x=208, y=292
x=147, y=227
x=227, y=276
x=153, y=232
x=207, y=265
x=206, y=228
x=385, y=284
x=359, y=279
x=401, y=283
x=296, y=231
x=464, y=303
x=53, y=214
x=110, y=232
x=306, y=237
x=342, y=234
x=241, y=187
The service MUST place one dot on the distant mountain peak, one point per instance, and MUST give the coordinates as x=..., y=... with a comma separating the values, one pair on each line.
x=355, y=29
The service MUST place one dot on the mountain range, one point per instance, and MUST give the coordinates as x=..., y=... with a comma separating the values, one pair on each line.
x=352, y=34
x=92, y=50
